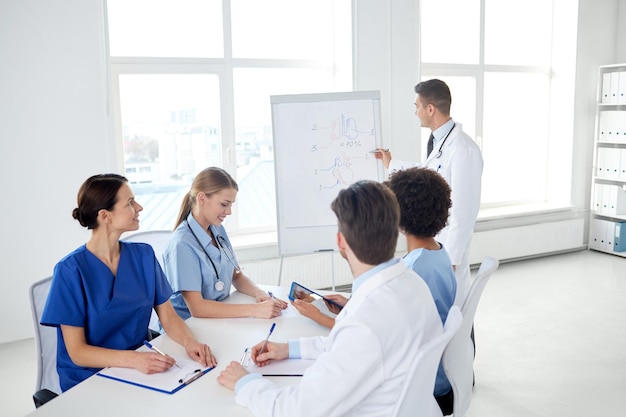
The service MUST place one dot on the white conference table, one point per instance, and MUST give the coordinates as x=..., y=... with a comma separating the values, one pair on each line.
x=98, y=396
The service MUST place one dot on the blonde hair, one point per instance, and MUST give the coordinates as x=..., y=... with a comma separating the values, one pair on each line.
x=209, y=181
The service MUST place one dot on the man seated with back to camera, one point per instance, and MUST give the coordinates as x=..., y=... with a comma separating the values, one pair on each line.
x=362, y=365
x=424, y=199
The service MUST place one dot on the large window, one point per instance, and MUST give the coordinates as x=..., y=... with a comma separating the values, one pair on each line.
x=510, y=67
x=192, y=81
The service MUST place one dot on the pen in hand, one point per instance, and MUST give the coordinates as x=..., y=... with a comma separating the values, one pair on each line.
x=266, y=339
x=149, y=346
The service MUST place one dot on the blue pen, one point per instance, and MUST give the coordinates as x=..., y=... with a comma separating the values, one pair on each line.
x=271, y=295
x=267, y=338
x=439, y=167
x=149, y=346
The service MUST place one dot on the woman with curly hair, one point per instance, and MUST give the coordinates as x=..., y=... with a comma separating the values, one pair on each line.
x=424, y=198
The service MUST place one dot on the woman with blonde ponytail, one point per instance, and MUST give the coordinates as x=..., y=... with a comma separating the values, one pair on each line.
x=199, y=260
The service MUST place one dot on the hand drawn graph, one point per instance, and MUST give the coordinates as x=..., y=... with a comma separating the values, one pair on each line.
x=320, y=148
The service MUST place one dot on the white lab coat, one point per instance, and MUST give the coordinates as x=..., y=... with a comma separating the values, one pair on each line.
x=461, y=164
x=362, y=365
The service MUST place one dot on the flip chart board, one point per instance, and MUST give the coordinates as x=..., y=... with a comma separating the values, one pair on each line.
x=322, y=144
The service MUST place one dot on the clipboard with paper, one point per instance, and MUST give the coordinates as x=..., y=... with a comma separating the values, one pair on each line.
x=168, y=382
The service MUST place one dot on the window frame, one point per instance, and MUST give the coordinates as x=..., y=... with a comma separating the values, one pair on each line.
x=559, y=187
x=223, y=68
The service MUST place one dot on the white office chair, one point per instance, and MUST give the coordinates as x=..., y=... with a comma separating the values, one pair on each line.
x=458, y=357
x=46, y=340
x=416, y=398
x=157, y=239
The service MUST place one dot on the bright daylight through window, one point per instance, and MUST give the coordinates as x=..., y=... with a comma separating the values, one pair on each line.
x=511, y=82
x=192, y=82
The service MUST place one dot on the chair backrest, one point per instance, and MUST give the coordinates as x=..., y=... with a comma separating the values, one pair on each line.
x=155, y=238
x=416, y=398
x=45, y=339
x=458, y=357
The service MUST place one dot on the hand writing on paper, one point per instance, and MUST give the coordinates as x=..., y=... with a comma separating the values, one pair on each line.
x=266, y=309
x=231, y=374
x=265, y=296
x=272, y=351
x=152, y=362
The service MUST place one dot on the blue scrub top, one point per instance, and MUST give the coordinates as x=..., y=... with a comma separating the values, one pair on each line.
x=188, y=269
x=435, y=268
x=114, y=310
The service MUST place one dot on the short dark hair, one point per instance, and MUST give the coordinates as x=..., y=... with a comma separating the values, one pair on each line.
x=424, y=199
x=368, y=216
x=435, y=92
x=96, y=193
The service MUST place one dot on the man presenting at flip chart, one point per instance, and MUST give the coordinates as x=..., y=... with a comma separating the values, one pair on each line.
x=361, y=366
x=454, y=155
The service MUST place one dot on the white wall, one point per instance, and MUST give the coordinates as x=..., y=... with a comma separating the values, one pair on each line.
x=54, y=122
x=53, y=130
x=620, y=32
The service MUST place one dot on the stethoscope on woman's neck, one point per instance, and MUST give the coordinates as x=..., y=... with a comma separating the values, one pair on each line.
x=219, y=284
x=443, y=142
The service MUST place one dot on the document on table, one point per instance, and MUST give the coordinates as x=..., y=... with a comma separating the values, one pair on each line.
x=285, y=367
x=168, y=382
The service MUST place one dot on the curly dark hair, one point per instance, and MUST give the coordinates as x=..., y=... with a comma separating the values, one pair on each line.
x=424, y=198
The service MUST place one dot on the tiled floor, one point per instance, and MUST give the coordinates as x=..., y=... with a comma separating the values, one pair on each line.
x=550, y=335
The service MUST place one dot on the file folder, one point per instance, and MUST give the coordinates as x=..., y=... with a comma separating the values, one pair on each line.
x=612, y=121
x=602, y=126
x=596, y=236
x=606, y=88
x=609, y=234
x=621, y=89
x=622, y=165
x=601, y=163
x=612, y=159
x=619, y=239
x=614, y=87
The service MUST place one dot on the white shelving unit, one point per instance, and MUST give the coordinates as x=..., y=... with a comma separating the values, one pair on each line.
x=607, y=225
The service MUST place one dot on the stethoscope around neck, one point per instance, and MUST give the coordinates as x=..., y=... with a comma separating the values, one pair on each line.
x=443, y=142
x=221, y=244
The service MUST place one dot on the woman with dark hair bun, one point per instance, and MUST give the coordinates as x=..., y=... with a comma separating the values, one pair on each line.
x=102, y=294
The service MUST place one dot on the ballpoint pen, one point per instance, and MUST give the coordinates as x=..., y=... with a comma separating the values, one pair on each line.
x=271, y=295
x=267, y=338
x=149, y=346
